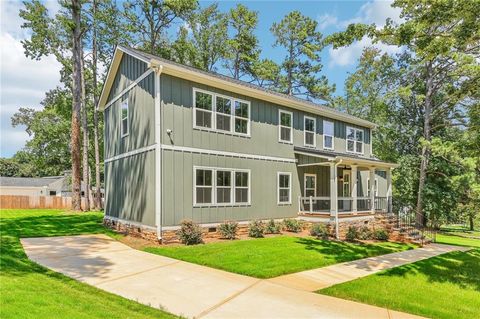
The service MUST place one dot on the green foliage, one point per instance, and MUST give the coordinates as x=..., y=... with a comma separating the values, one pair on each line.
x=9, y=167
x=352, y=233
x=273, y=227
x=292, y=225
x=320, y=231
x=228, y=229
x=364, y=233
x=380, y=234
x=256, y=229
x=189, y=233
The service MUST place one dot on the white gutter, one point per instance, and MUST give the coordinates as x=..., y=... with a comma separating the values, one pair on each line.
x=158, y=68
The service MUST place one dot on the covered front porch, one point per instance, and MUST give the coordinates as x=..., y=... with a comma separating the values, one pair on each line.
x=338, y=185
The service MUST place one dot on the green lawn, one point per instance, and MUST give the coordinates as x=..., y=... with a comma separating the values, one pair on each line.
x=457, y=240
x=446, y=286
x=275, y=256
x=31, y=291
x=460, y=231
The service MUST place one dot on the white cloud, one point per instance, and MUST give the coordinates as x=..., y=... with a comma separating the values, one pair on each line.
x=23, y=82
x=377, y=12
x=327, y=20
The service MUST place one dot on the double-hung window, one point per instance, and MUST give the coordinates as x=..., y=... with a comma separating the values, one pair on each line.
x=310, y=185
x=375, y=187
x=221, y=187
x=124, y=117
x=354, y=140
x=221, y=113
x=328, y=130
x=284, y=185
x=309, y=131
x=285, y=121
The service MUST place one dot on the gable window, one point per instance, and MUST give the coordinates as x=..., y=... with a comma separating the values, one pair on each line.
x=309, y=131
x=203, y=109
x=221, y=187
x=215, y=112
x=328, y=135
x=284, y=188
x=310, y=186
x=124, y=117
x=354, y=140
x=285, y=126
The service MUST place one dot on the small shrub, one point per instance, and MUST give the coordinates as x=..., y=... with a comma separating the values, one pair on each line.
x=228, y=229
x=320, y=231
x=189, y=233
x=364, y=233
x=381, y=234
x=292, y=225
x=256, y=228
x=352, y=233
x=273, y=227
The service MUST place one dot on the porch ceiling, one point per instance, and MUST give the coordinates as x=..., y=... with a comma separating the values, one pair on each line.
x=322, y=157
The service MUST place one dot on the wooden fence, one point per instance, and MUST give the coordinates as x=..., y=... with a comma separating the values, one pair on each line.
x=27, y=202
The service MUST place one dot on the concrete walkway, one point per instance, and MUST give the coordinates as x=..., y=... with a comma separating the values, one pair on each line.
x=191, y=290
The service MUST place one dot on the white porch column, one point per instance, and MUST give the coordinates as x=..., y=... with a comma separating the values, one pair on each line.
x=389, y=190
x=333, y=189
x=354, y=188
x=372, y=189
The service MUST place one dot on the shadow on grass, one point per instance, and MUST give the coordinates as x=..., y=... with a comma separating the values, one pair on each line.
x=457, y=268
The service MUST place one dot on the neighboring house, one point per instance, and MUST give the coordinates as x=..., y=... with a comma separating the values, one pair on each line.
x=181, y=143
x=29, y=186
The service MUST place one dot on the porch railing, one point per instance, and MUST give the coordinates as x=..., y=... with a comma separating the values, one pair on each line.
x=314, y=204
x=381, y=203
x=345, y=204
x=364, y=204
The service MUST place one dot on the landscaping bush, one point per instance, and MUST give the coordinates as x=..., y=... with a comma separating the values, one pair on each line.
x=292, y=225
x=320, y=231
x=364, y=233
x=228, y=229
x=352, y=233
x=273, y=227
x=189, y=233
x=381, y=234
x=256, y=228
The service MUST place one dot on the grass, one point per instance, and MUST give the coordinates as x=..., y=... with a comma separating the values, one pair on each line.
x=275, y=256
x=446, y=286
x=457, y=240
x=460, y=230
x=32, y=291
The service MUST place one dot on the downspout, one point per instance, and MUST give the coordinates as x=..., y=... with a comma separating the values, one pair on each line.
x=158, y=68
x=337, y=235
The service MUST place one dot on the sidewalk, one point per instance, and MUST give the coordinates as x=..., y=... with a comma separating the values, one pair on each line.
x=201, y=292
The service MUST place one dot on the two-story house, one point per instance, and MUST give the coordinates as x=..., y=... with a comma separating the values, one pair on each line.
x=181, y=143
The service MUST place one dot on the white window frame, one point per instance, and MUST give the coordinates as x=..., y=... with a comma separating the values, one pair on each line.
x=314, y=184
x=290, y=141
x=375, y=187
x=325, y=135
x=214, y=114
x=289, y=188
x=214, y=187
x=305, y=118
x=354, y=140
x=122, y=103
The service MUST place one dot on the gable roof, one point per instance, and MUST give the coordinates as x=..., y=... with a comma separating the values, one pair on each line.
x=27, y=181
x=222, y=82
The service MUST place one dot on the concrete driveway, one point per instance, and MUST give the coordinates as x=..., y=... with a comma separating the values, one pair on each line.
x=183, y=288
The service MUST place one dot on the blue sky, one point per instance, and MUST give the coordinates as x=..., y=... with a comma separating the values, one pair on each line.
x=23, y=82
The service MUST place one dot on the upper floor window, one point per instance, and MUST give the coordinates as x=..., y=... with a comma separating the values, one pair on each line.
x=221, y=113
x=124, y=117
x=354, y=140
x=328, y=135
x=285, y=126
x=284, y=188
x=309, y=129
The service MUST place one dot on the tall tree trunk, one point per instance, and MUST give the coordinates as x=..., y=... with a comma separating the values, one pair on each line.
x=289, y=70
x=98, y=192
x=425, y=155
x=76, y=105
x=86, y=169
x=471, y=222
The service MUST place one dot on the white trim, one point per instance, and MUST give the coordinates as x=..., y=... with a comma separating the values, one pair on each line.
x=122, y=103
x=355, y=129
x=305, y=118
x=213, y=113
x=128, y=88
x=224, y=153
x=324, y=135
x=289, y=188
x=305, y=184
x=290, y=141
x=214, y=203
x=131, y=153
x=158, y=154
